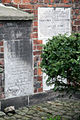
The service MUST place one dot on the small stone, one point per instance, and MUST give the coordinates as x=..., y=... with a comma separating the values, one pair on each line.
x=17, y=116
x=1, y=118
x=9, y=114
x=31, y=112
x=2, y=114
x=25, y=118
x=21, y=113
x=10, y=109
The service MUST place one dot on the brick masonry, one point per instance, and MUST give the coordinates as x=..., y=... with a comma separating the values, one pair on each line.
x=1, y=61
x=31, y=6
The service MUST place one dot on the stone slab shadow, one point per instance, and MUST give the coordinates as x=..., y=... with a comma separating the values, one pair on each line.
x=16, y=102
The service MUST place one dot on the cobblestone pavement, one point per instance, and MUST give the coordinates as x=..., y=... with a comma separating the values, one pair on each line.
x=68, y=109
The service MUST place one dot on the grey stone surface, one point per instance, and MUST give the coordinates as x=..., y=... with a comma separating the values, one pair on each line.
x=56, y=21
x=11, y=13
x=18, y=58
x=45, y=96
x=16, y=102
x=0, y=105
x=2, y=114
x=9, y=109
x=66, y=109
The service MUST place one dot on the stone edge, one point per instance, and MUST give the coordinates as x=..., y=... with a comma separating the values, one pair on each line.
x=30, y=100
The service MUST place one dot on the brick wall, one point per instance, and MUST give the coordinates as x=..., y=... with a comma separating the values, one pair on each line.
x=1, y=61
x=31, y=6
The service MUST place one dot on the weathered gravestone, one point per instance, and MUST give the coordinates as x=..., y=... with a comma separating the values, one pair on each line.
x=51, y=22
x=18, y=59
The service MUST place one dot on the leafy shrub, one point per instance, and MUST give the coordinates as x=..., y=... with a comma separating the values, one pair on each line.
x=61, y=59
x=55, y=118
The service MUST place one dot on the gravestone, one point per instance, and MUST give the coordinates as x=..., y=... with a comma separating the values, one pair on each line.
x=51, y=22
x=18, y=59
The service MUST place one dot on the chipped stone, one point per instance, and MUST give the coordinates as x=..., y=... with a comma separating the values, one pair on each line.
x=10, y=109
x=2, y=114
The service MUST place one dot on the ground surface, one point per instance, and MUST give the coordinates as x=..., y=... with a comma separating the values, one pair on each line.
x=68, y=109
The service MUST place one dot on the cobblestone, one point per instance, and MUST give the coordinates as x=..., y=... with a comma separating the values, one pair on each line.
x=67, y=109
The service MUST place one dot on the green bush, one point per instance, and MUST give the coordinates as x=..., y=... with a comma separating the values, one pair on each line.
x=55, y=118
x=61, y=57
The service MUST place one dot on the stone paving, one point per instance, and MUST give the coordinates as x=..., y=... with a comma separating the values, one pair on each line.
x=67, y=109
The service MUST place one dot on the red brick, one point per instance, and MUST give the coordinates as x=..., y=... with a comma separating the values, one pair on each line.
x=72, y=11
x=39, y=64
x=34, y=47
x=77, y=22
x=63, y=5
x=39, y=78
x=6, y=1
x=1, y=62
x=28, y=6
x=57, y=1
x=41, y=84
x=35, y=71
x=77, y=6
x=39, y=47
x=35, y=35
x=40, y=1
x=65, y=1
x=15, y=5
x=26, y=1
x=78, y=28
x=34, y=1
x=35, y=29
x=40, y=89
x=29, y=11
x=73, y=1
x=37, y=5
x=77, y=11
x=39, y=71
x=1, y=43
x=17, y=1
x=37, y=53
x=78, y=17
x=77, y=1
x=35, y=23
x=46, y=1
x=74, y=28
x=35, y=12
x=2, y=49
x=37, y=41
x=35, y=90
x=1, y=25
x=50, y=5
x=2, y=96
x=36, y=58
x=1, y=89
x=74, y=16
x=36, y=17
x=52, y=1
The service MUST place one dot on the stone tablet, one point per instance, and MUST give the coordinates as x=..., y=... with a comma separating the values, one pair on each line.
x=18, y=59
x=53, y=21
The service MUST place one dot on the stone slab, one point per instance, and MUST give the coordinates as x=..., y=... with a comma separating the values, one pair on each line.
x=18, y=59
x=16, y=102
x=53, y=21
x=11, y=13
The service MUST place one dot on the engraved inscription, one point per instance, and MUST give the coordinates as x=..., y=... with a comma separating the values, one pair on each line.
x=53, y=21
x=18, y=62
